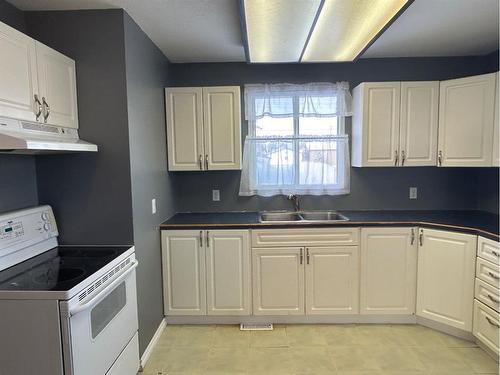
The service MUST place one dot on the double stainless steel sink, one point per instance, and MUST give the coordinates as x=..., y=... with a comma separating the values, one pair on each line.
x=289, y=217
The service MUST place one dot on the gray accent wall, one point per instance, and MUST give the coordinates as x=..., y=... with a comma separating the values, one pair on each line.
x=147, y=72
x=371, y=188
x=18, y=183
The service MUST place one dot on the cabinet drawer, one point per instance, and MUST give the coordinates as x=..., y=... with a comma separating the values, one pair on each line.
x=488, y=249
x=487, y=294
x=305, y=237
x=486, y=325
x=488, y=272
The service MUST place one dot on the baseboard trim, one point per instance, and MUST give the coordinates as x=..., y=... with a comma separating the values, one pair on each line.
x=317, y=319
x=488, y=351
x=149, y=349
x=446, y=329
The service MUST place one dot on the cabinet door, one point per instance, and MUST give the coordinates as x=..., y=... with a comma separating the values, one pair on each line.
x=466, y=111
x=388, y=270
x=376, y=124
x=184, y=128
x=332, y=280
x=18, y=74
x=278, y=281
x=228, y=272
x=57, y=81
x=222, y=127
x=445, y=281
x=419, y=123
x=496, y=126
x=183, y=256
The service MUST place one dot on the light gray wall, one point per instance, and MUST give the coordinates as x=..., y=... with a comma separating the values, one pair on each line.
x=371, y=188
x=18, y=182
x=147, y=75
x=91, y=192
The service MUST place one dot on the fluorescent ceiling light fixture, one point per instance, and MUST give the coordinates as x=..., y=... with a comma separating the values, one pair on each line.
x=345, y=28
x=277, y=30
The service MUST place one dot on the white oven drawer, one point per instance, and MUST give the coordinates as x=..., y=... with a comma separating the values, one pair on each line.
x=488, y=272
x=487, y=294
x=305, y=237
x=488, y=249
x=128, y=362
x=486, y=325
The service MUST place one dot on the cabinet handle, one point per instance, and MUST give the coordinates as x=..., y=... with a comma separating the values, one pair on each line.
x=412, y=241
x=207, y=241
x=492, y=322
x=201, y=238
x=396, y=158
x=301, y=255
x=403, y=158
x=493, y=299
x=421, y=237
x=200, y=160
x=39, y=112
x=307, y=255
x=46, y=109
x=206, y=162
x=495, y=253
x=440, y=158
x=496, y=277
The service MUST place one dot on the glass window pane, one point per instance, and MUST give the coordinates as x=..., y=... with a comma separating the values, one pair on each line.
x=107, y=309
x=269, y=126
x=275, y=163
x=318, y=126
x=318, y=163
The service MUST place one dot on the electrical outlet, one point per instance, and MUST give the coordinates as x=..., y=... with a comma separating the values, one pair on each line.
x=153, y=206
x=216, y=195
x=413, y=193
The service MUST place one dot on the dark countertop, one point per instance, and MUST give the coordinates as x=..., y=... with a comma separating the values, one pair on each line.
x=475, y=222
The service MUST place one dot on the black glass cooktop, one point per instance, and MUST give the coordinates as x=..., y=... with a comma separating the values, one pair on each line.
x=58, y=269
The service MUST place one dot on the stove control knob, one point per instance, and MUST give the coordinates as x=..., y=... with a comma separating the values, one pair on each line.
x=46, y=227
x=45, y=216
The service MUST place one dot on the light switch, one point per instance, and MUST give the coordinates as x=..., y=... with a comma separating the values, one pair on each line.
x=413, y=193
x=153, y=206
x=216, y=195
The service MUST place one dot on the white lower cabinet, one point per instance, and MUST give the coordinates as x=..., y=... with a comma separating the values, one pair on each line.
x=278, y=281
x=332, y=280
x=445, y=289
x=388, y=270
x=206, y=272
x=486, y=326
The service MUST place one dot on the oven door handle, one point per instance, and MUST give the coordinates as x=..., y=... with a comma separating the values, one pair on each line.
x=103, y=293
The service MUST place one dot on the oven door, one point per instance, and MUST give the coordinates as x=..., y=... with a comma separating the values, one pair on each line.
x=101, y=328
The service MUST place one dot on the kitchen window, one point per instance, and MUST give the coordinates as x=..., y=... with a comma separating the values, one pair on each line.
x=296, y=142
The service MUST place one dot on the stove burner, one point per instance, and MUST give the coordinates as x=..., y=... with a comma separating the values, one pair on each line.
x=64, y=274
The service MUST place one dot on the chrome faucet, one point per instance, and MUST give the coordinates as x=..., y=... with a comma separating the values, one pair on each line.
x=296, y=202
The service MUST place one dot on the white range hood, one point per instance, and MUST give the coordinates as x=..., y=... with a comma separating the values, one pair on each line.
x=24, y=137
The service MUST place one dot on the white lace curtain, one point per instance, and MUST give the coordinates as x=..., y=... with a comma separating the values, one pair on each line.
x=311, y=161
x=320, y=99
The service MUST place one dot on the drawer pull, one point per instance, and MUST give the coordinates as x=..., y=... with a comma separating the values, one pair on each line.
x=301, y=255
x=493, y=299
x=495, y=253
x=492, y=322
x=496, y=277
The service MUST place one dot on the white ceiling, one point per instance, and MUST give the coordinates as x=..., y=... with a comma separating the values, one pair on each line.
x=209, y=30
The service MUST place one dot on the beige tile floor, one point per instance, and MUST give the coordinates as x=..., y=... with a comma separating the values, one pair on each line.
x=315, y=349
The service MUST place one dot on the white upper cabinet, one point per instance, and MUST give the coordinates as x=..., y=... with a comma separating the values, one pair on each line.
x=388, y=270
x=185, y=128
x=419, y=123
x=203, y=128
x=18, y=75
x=221, y=119
x=38, y=83
x=57, y=87
x=332, y=280
x=228, y=272
x=496, y=126
x=466, y=112
x=375, y=124
x=446, y=269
